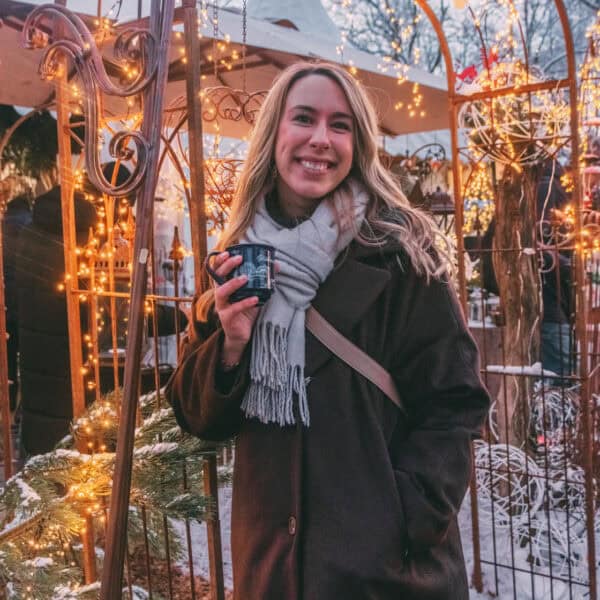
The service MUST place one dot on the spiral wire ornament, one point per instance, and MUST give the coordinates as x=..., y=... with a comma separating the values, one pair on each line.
x=509, y=484
x=514, y=130
x=131, y=44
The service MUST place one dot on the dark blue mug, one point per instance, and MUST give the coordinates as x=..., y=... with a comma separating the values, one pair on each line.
x=258, y=264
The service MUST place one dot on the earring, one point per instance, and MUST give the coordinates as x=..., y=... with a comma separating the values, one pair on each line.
x=274, y=173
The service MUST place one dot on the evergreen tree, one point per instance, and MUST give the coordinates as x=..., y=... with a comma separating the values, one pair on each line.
x=48, y=505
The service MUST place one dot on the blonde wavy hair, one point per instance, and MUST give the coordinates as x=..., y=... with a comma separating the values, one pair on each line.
x=389, y=214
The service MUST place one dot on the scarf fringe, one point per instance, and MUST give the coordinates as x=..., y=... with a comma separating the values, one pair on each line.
x=269, y=352
x=306, y=255
x=270, y=396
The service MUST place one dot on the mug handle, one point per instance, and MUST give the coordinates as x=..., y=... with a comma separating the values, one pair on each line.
x=220, y=280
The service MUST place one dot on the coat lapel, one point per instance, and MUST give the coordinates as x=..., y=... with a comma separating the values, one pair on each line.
x=343, y=299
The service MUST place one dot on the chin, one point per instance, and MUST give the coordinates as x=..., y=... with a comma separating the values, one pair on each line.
x=314, y=192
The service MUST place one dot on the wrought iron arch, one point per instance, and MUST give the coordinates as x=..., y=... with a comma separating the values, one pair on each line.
x=455, y=100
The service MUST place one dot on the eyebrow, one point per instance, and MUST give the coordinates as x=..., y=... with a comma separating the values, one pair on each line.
x=312, y=110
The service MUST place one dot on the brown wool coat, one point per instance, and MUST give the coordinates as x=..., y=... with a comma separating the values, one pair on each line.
x=362, y=504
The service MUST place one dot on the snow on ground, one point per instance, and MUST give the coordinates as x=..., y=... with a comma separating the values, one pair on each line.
x=504, y=583
x=511, y=585
x=201, y=565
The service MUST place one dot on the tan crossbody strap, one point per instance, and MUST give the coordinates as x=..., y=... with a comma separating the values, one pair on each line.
x=352, y=355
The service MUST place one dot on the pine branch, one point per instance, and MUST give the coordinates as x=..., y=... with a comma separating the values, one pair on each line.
x=46, y=502
x=16, y=530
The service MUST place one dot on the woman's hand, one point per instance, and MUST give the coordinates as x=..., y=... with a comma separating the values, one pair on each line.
x=237, y=318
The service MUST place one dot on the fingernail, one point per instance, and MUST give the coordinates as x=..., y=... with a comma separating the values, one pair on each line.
x=242, y=277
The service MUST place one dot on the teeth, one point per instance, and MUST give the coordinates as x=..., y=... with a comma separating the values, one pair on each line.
x=314, y=166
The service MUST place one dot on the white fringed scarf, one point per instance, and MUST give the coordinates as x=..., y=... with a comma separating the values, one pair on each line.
x=306, y=256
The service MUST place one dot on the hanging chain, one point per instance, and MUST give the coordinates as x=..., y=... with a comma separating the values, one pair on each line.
x=244, y=38
x=215, y=33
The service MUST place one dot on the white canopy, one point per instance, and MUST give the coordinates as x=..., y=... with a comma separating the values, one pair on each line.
x=307, y=16
x=270, y=47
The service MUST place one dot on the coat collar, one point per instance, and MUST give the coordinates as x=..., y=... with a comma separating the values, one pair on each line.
x=346, y=295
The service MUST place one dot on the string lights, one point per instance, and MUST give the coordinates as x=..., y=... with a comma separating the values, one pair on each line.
x=61, y=495
x=345, y=11
x=479, y=200
x=514, y=129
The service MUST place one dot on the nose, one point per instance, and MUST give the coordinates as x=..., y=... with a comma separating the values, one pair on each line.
x=320, y=136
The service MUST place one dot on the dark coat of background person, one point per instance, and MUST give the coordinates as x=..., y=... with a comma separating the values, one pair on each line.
x=44, y=343
x=16, y=217
x=362, y=504
x=557, y=292
x=556, y=286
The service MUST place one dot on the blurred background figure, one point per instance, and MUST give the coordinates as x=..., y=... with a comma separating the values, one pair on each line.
x=16, y=217
x=555, y=330
x=558, y=307
x=42, y=318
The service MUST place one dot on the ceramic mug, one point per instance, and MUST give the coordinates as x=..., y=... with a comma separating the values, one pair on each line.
x=258, y=264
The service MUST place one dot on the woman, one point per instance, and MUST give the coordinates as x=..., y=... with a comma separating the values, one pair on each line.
x=337, y=494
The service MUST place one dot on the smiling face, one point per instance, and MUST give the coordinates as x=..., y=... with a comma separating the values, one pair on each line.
x=314, y=146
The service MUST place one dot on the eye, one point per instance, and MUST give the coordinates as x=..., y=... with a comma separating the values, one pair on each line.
x=343, y=125
x=302, y=118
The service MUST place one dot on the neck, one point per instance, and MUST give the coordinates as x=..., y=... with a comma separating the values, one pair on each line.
x=293, y=211
x=292, y=205
x=278, y=214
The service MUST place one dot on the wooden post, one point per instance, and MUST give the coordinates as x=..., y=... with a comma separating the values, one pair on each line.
x=89, y=555
x=161, y=20
x=70, y=243
x=213, y=530
x=194, y=108
x=199, y=248
x=93, y=348
x=69, y=238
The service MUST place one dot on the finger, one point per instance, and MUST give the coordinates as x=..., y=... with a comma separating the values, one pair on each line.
x=277, y=266
x=247, y=304
x=219, y=259
x=228, y=265
x=223, y=292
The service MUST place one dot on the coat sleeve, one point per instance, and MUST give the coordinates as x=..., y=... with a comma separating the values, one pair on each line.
x=437, y=374
x=206, y=401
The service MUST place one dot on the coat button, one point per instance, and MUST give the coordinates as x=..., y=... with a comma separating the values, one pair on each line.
x=292, y=525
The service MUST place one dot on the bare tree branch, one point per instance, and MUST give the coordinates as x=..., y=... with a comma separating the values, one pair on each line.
x=384, y=27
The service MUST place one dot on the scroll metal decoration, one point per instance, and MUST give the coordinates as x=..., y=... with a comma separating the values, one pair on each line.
x=132, y=45
x=221, y=175
x=231, y=105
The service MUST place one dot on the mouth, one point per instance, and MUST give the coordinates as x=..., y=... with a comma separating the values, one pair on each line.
x=316, y=166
